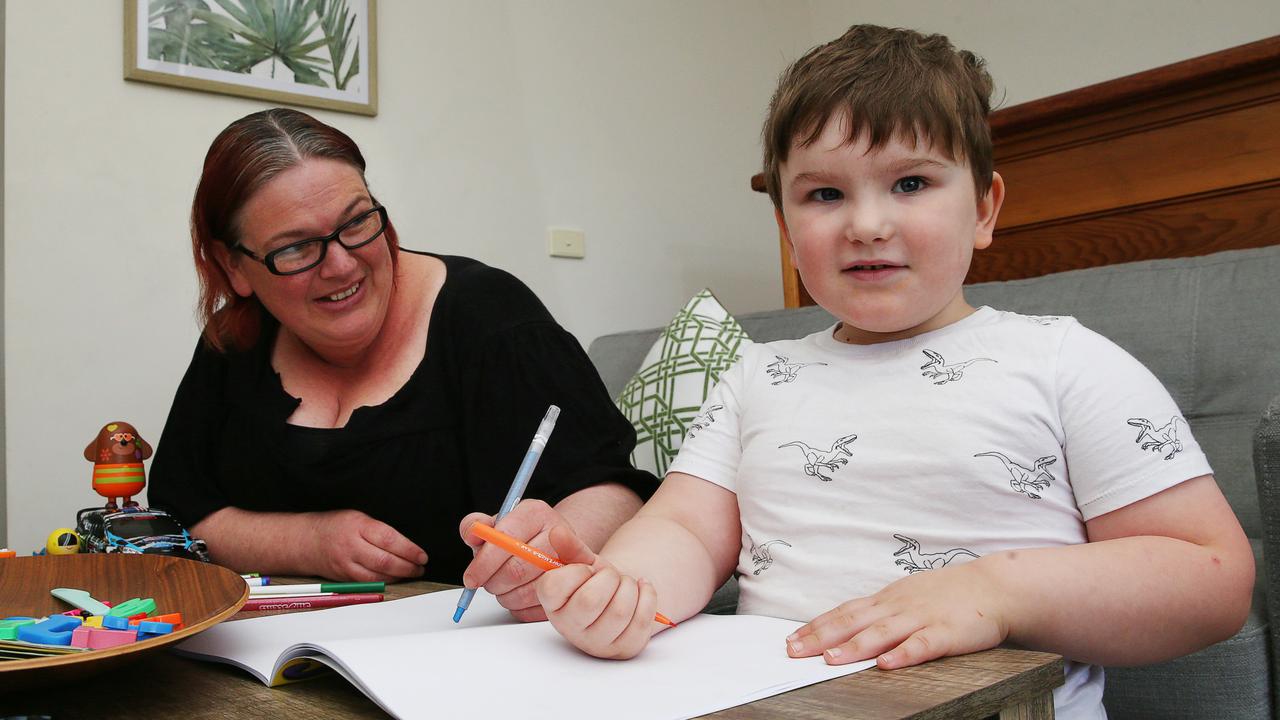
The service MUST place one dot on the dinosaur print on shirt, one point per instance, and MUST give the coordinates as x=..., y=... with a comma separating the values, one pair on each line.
x=782, y=370
x=1043, y=319
x=1027, y=481
x=1159, y=438
x=911, y=559
x=761, y=556
x=816, y=460
x=941, y=372
x=703, y=420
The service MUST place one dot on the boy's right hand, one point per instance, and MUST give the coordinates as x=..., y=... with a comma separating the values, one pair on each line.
x=601, y=611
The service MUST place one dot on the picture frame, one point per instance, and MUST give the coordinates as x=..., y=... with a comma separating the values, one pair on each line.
x=232, y=47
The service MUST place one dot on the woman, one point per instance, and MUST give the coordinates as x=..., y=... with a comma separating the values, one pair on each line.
x=351, y=401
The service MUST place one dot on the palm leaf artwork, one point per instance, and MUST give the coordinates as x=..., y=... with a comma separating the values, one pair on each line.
x=337, y=28
x=248, y=33
x=176, y=39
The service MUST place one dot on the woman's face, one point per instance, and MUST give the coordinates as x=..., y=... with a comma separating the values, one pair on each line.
x=337, y=308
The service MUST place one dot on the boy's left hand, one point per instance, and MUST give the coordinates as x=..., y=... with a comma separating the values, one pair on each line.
x=931, y=614
x=508, y=578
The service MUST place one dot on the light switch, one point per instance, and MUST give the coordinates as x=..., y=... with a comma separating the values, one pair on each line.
x=567, y=243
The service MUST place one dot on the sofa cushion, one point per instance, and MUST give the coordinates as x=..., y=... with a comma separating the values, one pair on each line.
x=1266, y=464
x=618, y=356
x=665, y=395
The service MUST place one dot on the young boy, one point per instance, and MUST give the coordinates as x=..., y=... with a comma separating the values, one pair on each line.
x=922, y=479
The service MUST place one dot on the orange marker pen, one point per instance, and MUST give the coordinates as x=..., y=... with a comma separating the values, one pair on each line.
x=530, y=554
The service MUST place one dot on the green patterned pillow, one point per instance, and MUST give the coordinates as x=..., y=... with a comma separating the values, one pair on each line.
x=663, y=398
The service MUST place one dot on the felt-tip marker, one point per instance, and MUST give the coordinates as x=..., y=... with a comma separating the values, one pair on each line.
x=308, y=602
x=339, y=587
x=530, y=554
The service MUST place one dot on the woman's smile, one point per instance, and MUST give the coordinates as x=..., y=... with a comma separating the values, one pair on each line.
x=342, y=295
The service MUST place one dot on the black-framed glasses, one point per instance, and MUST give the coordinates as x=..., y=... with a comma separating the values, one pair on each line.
x=306, y=254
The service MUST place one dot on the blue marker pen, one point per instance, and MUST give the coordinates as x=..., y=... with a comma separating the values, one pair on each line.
x=518, y=484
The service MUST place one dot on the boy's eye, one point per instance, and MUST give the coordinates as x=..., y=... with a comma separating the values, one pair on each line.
x=826, y=194
x=915, y=183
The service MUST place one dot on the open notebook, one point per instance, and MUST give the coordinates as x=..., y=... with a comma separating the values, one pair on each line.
x=409, y=658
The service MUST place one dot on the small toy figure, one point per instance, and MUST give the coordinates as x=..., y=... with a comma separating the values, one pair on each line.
x=117, y=454
x=63, y=541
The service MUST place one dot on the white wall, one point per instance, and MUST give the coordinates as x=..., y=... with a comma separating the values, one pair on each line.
x=637, y=122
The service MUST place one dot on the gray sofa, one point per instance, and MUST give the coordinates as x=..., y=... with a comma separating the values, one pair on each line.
x=1208, y=327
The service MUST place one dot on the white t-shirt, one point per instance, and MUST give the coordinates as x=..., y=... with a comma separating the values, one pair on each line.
x=855, y=465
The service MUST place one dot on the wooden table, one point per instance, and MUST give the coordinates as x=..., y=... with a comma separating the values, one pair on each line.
x=1005, y=683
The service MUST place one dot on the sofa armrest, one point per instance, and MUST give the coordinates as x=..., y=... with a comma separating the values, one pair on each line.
x=1266, y=466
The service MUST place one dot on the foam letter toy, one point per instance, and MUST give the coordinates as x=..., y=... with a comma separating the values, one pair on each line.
x=174, y=619
x=98, y=638
x=80, y=599
x=54, y=630
x=129, y=608
x=149, y=629
x=9, y=626
x=111, y=622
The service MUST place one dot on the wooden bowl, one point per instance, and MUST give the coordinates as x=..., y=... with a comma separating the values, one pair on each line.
x=205, y=594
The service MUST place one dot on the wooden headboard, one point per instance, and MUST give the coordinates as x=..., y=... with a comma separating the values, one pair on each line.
x=1177, y=161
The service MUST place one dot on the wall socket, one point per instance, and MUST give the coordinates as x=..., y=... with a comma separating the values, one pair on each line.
x=563, y=242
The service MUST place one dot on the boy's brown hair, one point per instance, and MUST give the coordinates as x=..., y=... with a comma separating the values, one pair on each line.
x=889, y=82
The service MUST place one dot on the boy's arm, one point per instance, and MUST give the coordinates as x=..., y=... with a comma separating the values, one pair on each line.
x=684, y=543
x=1161, y=577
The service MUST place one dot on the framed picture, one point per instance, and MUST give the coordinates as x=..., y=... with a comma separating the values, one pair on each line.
x=316, y=53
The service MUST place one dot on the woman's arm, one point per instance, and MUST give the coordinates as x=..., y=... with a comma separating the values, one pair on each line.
x=338, y=544
x=596, y=512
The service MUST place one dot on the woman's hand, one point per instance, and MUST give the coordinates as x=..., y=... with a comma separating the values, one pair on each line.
x=353, y=546
x=599, y=610
x=509, y=578
x=931, y=614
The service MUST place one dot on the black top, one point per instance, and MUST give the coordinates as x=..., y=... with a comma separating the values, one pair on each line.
x=447, y=443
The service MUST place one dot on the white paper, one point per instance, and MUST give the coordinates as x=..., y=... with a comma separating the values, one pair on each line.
x=410, y=658
x=258, y=644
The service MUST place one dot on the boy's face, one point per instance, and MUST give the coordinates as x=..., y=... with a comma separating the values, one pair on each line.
x=883, y=239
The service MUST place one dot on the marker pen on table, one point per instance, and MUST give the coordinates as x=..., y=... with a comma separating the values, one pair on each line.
x=313, y=588
x=530, y=554
x=518, y=484
x=308, y=602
